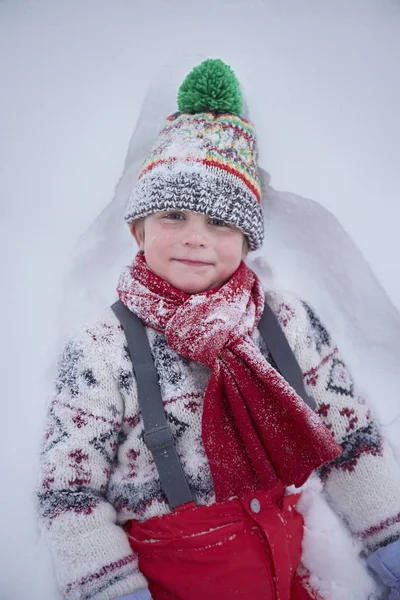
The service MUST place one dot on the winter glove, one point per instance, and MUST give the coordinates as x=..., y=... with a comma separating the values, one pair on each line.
x=142, y=594
x=386, y=563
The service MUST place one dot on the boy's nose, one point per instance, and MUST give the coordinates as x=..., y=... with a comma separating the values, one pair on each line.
x=194, y=236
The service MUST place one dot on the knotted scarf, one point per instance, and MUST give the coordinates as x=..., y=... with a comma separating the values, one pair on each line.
x=255, y=429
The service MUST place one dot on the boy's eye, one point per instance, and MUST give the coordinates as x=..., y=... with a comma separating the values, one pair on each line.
x=174, y=216
x=218, y=222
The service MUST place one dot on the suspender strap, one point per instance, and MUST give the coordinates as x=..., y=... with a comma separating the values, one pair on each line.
x=282, y=354
x=157, y=434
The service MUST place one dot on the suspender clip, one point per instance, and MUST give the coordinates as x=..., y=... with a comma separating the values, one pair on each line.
x=158, y=438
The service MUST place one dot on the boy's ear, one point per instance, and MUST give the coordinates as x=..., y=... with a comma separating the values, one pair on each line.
x=245, y=249
x=137, y=230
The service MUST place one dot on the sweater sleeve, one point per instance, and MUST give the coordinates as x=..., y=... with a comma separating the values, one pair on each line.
x=363, y=483
x=91, y=552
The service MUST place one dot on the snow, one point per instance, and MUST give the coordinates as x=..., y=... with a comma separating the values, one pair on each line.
x=324, y=533
x=322, y=90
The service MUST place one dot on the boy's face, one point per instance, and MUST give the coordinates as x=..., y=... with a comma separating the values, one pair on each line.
x=193, y=252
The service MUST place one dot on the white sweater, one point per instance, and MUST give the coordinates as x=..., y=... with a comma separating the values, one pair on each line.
x=97, y=472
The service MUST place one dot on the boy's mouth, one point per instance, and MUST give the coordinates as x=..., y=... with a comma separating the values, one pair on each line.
x=193, y=263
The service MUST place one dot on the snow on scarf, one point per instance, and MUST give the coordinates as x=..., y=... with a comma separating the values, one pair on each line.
x=255, y=428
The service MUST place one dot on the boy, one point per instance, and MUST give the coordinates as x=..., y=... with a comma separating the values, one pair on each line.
x=241, y=433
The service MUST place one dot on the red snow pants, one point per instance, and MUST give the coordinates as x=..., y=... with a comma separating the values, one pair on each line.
x=245, y=549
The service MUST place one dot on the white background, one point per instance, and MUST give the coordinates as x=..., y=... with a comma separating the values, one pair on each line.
x=322, y=85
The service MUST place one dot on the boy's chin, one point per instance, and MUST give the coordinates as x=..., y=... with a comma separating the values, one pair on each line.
x=193, y=289
x=189, y=286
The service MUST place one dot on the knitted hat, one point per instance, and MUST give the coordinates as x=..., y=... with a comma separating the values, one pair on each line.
x=204, y=158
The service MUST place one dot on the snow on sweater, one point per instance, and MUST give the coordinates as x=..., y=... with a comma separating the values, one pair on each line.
x=97, y=473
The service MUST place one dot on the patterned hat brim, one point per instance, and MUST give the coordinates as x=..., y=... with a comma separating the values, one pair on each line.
x=200, y=192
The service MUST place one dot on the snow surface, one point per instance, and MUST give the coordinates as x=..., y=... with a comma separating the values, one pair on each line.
x=321, y=86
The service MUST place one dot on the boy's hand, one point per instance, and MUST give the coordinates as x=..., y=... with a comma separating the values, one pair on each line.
x=143, y=594
x=386, y=563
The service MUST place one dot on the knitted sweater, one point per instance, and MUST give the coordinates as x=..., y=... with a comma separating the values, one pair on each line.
x=97, y=473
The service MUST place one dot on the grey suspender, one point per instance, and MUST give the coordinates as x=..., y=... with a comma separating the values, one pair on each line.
x=157, y=434
x=282, y=355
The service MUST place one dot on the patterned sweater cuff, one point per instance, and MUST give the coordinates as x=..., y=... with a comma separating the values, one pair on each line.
x=105, y=549
x=109, y=582
x=367, y=496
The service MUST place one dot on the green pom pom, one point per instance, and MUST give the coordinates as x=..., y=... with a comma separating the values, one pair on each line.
x=211, y=87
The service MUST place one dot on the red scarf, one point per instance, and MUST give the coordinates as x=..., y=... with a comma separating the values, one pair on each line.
x=255, y=428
